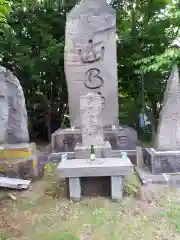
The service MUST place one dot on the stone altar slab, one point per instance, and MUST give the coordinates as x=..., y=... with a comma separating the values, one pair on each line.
x=99, y=167
x=90, y=58
x=75, y=169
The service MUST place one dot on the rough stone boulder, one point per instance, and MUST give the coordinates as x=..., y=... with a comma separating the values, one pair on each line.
x=13, y=114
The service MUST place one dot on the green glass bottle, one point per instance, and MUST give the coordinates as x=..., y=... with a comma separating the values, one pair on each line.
x=92, y=155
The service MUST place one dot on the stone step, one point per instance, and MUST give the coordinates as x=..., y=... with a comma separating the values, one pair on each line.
x=170, y=179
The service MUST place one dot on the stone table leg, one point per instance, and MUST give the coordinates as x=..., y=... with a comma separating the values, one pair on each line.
x=75, y=189
x=116, y=188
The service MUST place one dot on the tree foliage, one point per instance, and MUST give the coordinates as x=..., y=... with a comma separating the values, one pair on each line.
x=34, y=52
x=4, y=11
x=146, y=31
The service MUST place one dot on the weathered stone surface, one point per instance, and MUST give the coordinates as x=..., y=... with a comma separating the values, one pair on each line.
x=13, y=109
x=162, y=161
x=75, y=189
x=148, y=178
x=100, y=167
x=23, y=169
x=91, y=120
x=116, y=188
x=3, y=109
x=20, y=161
x=65, y=140
x=9, y=152
x=90, y=58
x=168, y=134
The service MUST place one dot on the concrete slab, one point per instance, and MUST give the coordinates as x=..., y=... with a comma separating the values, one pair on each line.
x=147, y=177
x=99, y=167
x=173, y=180
x=14, y=183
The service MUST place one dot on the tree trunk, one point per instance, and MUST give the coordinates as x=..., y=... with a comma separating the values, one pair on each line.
x=154, y=120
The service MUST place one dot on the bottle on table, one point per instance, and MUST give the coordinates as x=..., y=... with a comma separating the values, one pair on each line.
x=92, y=155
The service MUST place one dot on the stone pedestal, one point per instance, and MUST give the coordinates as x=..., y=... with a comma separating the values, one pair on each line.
x=116, y=187
x=75, y=169
x=122, y=138
x=19, y=161
x=103, y=151
x=162, y=161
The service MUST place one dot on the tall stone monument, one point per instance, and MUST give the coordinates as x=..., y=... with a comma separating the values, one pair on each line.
x=14, y=116
x=165, y=156
x=168, y=134
x=91, y=68
x=90, y=58
x=17, y=155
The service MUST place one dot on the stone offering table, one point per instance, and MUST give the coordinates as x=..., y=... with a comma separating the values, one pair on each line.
x=74, y=169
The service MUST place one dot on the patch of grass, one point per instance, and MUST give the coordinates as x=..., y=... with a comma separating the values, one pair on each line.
x=24, y=204
x=172, y=214
x=4, y=236
x=3, y=194
x=54, y=235
x=132, y=185
x=57, y=189
x=63, y=236
x=45, y=214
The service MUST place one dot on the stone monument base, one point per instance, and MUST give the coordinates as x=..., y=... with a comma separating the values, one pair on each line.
x=161, y=161
x=168, y=179
x=100, y=151
x=19, y=161
x=115, y=168
x=121, y=139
